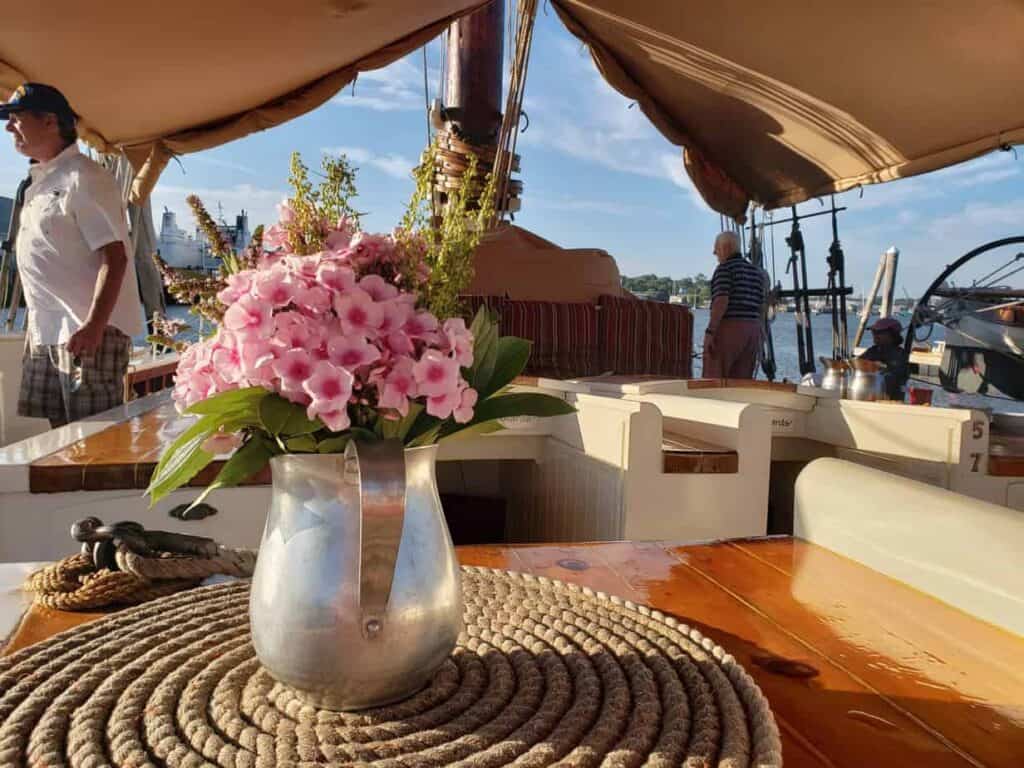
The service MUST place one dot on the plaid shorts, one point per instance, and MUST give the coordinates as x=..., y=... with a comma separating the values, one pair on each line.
x=102, y=380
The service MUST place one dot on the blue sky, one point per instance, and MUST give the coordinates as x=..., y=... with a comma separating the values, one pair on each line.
x=596, y=175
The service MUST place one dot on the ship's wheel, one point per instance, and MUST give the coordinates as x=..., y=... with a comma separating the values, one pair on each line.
x=983, y=321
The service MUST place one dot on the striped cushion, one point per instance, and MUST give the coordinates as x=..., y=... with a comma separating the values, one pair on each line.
x=472, y=304
x=645, y=337
x=564, y=336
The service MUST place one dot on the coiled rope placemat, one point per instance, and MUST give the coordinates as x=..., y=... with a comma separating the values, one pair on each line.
x=545, y=673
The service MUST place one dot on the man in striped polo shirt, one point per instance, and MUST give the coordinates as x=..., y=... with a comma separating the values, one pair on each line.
x=738, y=292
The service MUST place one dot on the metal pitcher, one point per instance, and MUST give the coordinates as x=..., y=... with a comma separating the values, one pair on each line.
x=356, y=599
x=868, y=381
x=837, y=376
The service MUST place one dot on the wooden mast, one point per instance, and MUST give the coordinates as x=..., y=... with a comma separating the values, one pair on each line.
x=472, y=111
x=473, y=87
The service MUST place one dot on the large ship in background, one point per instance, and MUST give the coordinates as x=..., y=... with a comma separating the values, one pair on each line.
x=189, y=250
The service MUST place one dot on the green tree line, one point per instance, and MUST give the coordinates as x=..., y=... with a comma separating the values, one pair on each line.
x=692, y=289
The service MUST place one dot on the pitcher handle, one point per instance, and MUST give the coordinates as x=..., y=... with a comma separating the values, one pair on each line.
x=379, y=470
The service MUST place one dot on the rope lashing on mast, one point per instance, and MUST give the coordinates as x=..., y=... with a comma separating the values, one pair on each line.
x=504, y=159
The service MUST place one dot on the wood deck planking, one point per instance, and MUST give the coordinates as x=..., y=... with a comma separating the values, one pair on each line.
x=913, y=651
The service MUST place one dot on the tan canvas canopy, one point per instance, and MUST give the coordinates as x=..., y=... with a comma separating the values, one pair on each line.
x=774, y=102
x=158, y=78
x=785, y=100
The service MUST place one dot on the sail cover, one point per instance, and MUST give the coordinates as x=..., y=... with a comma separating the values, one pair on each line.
x=158, y=78
x=787, y=100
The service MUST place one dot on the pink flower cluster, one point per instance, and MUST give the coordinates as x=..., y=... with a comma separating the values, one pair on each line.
x=332, y=331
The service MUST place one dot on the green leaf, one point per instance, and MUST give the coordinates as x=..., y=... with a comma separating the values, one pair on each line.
x=333, y=444
x=511, y=356
x=484, y=317
x=283, y=417
x=423, y=425
x=472, y=430
x=184, y=458
x=400, y=428
x=243, y=464
x=233, y=400
x=514, y=404
x=301, y=444
x=485, y=353
x=429, y=436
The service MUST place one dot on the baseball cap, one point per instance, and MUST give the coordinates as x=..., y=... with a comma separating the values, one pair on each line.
x=36, y=97
x=887, y=324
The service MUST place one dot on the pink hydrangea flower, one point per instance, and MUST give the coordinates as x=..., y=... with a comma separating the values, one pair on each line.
x=337, y=420
x=351, y=352
x=329, y=387
x=378, y=288
x=399, y=343
x=340, y=237
x=275, y=237
x=436, y=374
x=329, y=384
x=293, y=368
x=226, y=357
x=285, y=212
x=421, y=325
x=398, y=387
x=335, y=277
x=442, y=406
x=238, y=284
x=334, y=329
x=367, y=250
x=358, y=313
x=460, y=340
x=274, y=287
x=257, y=361
x=304, y=267
x=315, y=299
x=467, y=402
x=249, y=317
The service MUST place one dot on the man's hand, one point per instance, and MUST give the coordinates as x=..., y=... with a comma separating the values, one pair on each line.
x=709, y=344
x=86, y=340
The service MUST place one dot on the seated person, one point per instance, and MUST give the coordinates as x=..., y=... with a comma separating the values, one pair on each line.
x=888, y=349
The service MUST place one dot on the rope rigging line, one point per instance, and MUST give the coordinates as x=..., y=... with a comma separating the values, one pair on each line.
x=426, y=96
x=508, y=134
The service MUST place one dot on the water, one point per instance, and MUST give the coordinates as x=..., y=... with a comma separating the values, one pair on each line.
x=786, y=355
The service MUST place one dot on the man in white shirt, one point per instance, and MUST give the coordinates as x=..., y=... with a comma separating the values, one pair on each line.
x=72, y=252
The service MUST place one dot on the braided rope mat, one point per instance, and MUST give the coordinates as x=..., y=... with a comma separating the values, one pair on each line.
x=546, y=673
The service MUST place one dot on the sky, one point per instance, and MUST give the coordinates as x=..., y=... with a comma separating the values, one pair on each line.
x=596, y=174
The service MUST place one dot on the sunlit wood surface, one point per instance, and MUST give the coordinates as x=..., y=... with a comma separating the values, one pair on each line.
x=860, y=670
x=122, y=456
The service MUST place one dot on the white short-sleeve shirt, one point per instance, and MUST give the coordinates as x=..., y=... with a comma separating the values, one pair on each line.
x=72, y=209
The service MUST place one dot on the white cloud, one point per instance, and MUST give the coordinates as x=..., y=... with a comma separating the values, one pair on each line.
x=605, y=207
x=392, y=164
x=397, y=87
x=987, y=177
x=601, y=127
x=979, y=216
x=204, y=159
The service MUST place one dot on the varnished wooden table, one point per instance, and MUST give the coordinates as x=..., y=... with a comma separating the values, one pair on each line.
x=860, y=670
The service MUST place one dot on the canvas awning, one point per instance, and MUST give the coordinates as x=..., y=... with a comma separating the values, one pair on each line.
x=159, y=78
x=782, y=101
x=774, y=102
